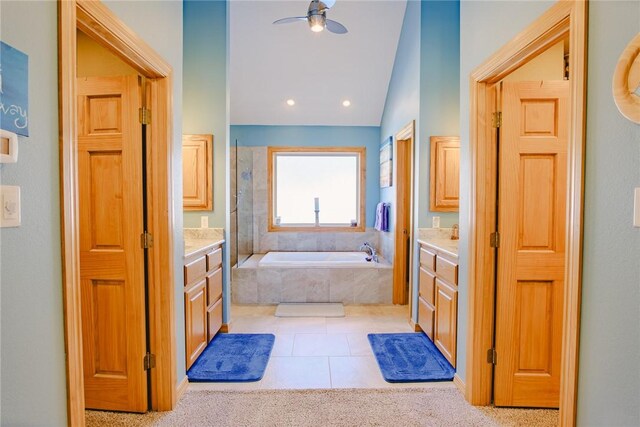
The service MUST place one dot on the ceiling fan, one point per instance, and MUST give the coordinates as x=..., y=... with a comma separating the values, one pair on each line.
x=317, y=18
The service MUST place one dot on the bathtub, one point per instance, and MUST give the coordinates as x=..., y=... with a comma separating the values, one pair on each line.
x=316, y=260
x=345, y=277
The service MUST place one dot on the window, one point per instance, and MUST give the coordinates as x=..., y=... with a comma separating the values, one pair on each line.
x=327, y=179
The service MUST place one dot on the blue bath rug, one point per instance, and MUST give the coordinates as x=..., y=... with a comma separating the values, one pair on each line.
x=233, y=358
x=406, y=358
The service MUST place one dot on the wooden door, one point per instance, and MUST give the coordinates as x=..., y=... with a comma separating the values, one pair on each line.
x=531, y=254
x=111, y=257
x=403, y=221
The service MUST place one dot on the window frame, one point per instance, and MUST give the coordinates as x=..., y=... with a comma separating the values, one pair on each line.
x=360, y=152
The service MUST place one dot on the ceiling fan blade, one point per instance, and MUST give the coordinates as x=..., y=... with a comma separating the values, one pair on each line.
x=336, y=27
x=290, y=20
x=328, y=4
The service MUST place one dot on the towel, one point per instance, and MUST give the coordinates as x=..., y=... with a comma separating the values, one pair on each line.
x=382, y=217
x=379, y=215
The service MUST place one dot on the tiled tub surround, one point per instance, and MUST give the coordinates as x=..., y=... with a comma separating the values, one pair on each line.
x=252, y=284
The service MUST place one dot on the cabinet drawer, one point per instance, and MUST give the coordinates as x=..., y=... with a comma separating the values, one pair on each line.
x=427, y=285
x=447, y=270
x=195, y=271
x=214, y=319
x=214, y=259
x=425, y=317
x=214, y=286
x=428, y=259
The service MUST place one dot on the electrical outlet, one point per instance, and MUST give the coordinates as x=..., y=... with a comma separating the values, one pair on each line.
x=204, y=222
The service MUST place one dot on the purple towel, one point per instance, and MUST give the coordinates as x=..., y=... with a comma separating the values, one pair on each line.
x=385, y=216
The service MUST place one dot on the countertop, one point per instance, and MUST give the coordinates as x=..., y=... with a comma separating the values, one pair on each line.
x=192, y=246
x=445, y=246
x=198, y=240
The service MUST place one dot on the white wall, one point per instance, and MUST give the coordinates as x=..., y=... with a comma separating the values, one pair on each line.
x=32, y=368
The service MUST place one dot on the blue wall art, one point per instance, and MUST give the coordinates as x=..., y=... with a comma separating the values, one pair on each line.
x=14, y=90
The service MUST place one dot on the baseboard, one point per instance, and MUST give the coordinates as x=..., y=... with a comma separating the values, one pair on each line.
x=414, y=326
x=460, y=384
x=182, y=387
x=225, y=328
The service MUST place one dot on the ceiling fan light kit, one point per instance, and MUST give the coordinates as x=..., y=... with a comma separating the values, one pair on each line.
x=317, y=18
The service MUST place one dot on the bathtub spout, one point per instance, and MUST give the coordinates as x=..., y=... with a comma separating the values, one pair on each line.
x=370, y=251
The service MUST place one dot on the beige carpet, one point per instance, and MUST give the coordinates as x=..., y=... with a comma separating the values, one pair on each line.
x=334, y=407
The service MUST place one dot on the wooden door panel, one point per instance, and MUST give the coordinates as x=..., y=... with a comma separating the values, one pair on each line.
x=195, y=308
x=111, y=257
x=531, y=256
x=445, y=332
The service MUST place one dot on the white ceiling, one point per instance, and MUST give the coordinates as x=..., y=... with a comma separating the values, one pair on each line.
x=272, y=63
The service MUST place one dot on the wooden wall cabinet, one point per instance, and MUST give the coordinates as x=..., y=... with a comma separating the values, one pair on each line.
x=202, y=300
x=197, y=172
x=438, y=299
x=444, y=181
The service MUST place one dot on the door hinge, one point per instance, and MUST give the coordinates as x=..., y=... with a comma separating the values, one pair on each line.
x=496, y=120
x=149, y=361
x=492, y=356
x=144, y=115
x=146, y=240
x=494, y=239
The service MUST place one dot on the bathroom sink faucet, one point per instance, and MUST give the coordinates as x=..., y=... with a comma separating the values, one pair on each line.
x=455, y=232
x=369, y=250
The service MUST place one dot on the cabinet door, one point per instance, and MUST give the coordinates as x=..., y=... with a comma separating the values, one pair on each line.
x=425, y=317
x=195, y=311
x=427, y=285
x=446, y=320
x=197, y=172
x=214, y=319
x=445, y=174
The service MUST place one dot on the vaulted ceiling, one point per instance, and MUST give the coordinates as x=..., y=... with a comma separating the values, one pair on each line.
x=270, y=64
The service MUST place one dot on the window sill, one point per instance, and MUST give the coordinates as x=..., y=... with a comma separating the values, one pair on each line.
x=313, y=229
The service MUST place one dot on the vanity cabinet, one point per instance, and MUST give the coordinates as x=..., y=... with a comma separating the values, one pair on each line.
x=202, y=300
x=444, y=174
x=438, y=299
x=197, y=172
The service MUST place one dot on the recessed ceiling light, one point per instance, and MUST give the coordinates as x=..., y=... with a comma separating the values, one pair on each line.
x=346, y=103
x=291, y=102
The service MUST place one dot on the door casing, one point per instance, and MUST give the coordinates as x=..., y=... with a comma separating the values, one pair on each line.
x=565, y=17
x=402, y=272
x=98, y=22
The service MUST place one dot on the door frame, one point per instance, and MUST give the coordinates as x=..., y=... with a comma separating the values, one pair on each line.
x=565, y=17
x=98, y=22
x=400, y=295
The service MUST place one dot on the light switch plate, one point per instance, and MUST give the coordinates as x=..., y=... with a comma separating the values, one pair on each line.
x=636, y=207
x=10, y=205
x=204, y=222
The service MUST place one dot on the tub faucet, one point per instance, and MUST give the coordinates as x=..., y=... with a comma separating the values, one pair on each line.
x=370, y=251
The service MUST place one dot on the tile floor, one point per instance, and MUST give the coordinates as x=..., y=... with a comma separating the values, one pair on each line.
x=318, y=352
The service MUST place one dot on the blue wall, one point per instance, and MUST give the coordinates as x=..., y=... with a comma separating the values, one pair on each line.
x=439, y=92
x=609, y=371
x=322, y=136
x=205, y=93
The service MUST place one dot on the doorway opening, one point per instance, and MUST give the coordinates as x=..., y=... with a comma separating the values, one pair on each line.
x=563, y=20
x=403, y=239
x=100, y=25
